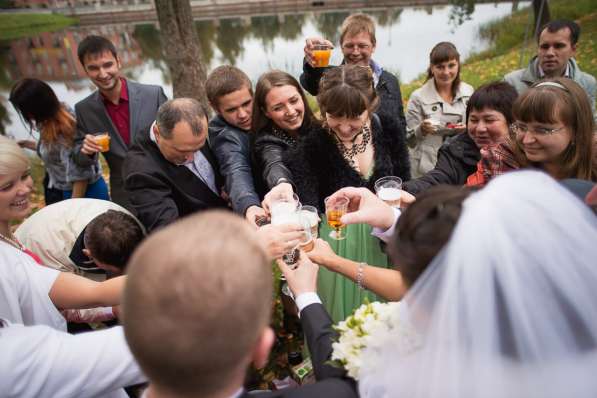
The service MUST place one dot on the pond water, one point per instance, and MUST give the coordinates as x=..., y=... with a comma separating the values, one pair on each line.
x=256, y=44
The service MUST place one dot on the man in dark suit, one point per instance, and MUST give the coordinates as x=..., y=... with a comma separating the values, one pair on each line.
x=171, y=172
x=120, y=107
x=196, y=335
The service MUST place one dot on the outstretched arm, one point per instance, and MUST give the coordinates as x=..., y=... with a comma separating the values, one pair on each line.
x=71, y=291
x=384, y=282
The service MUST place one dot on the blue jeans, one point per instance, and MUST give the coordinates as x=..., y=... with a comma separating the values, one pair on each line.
x=97, y=190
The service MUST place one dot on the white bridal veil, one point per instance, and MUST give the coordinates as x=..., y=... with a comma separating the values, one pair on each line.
x=509, y=307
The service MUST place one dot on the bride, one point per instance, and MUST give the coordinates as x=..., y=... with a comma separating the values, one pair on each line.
x=508, y=308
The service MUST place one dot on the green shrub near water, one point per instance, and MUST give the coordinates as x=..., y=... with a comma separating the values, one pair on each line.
x=14, y=26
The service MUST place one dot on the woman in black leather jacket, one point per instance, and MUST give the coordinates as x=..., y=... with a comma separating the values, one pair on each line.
x=281, y=115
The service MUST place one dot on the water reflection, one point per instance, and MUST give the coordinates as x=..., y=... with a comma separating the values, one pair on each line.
x=256, y=44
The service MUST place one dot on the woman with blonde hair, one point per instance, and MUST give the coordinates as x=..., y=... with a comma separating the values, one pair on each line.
x=38, y=106
x=34, y=294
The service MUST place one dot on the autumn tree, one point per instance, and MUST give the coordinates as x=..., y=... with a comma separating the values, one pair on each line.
x=182, y=49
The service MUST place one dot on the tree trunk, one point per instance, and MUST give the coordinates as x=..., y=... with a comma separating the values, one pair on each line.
x=541, y=13
x=182, y=49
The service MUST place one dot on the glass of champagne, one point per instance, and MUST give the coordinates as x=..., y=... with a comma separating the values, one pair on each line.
x=287, y=210
x=282, y=209
x=389, y=190
x=334, y=210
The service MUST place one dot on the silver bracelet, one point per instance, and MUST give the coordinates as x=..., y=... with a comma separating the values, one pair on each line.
x=360, y=275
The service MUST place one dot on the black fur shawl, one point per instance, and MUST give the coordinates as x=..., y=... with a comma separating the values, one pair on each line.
x=319, y=169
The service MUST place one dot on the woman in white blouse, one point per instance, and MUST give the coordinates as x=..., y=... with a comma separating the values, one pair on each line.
x=437, y=109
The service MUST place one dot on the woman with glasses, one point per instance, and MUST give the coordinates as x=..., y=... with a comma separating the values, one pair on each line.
x=553, y=131
x=354, y=147
x=437, y=109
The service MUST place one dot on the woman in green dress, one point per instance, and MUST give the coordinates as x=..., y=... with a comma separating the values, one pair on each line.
x=353, y=147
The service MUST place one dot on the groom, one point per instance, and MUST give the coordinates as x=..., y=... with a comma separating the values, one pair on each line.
x=197, y=334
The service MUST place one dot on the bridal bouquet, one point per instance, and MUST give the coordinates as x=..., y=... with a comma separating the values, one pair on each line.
x=372, y=326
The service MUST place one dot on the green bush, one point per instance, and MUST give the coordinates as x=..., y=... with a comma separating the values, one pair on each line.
x=14, y=26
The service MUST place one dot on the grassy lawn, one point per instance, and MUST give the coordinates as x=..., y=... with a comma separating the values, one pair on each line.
x=508, y=36
x=13, y=26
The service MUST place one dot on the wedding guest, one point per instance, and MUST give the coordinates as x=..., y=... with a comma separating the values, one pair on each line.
x=38, y=106
x=171, y=172
x=281, y=116
x=556, y=48
x=488, y=115
x=553, y=131
x=354, y=147
x=33, y=294
x=438, y=109
x=230, y=94
x=476, y=314
x=177, y=332
x=85, y=236
x=358, y=43
x=121, y=107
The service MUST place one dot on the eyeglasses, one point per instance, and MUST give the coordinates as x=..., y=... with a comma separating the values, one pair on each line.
x=520, y=129
x=360, y=46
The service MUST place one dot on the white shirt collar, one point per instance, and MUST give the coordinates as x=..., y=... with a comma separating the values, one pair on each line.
x=566, y=72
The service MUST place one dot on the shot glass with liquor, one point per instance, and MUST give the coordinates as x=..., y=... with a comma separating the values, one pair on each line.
x=335, y=208
x=389, y=190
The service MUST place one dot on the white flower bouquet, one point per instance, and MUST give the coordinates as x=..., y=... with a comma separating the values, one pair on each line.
x=372, y=326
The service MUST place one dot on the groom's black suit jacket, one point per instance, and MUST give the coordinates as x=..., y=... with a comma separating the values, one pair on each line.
x=159, y=191
x=331, y=381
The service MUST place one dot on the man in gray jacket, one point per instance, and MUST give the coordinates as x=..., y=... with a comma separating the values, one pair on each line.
x=555, y=57
x=120, y=107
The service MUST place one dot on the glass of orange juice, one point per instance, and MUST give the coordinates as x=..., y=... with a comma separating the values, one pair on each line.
x=321, y=55
x=103, y=140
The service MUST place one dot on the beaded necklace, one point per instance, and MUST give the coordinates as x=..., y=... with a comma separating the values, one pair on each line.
x=13, y=242
x=284, y=136
x=349, y=153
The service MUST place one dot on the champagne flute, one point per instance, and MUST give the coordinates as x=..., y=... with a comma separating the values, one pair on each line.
x=334, y=210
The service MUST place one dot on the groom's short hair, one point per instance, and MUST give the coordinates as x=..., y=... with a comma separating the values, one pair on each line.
x=197, y=298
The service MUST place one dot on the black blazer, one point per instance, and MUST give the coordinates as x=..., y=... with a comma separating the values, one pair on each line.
x=161, y=192
x=92, y=117
x=331, y=381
